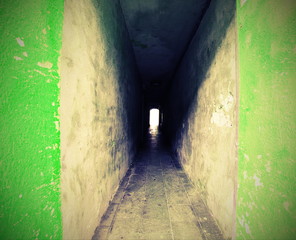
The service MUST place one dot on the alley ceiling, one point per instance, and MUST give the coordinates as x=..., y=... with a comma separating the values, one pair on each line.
x=160, y=31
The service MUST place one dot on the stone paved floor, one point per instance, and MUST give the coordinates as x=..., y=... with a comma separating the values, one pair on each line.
x=156, y=201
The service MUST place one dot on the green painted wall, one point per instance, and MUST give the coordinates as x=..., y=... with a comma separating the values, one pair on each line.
x=266, y=202
x=29, y=146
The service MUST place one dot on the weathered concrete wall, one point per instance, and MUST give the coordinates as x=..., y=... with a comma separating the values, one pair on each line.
x=266, y=207
x=203, y=110
x=99, y=111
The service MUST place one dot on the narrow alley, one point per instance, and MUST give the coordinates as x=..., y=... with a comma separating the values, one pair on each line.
x=80, y=158
x=156, y=200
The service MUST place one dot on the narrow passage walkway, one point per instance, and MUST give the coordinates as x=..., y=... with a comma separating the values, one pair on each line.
x=156, y=201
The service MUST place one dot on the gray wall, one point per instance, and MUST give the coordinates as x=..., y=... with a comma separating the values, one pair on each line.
x=99, y=111
x=202, y=112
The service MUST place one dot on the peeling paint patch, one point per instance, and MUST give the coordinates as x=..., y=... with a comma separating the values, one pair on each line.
x=257, y=181
x=40, y=72
x=244, y=224
x=45, y=64
x=246, y=157
x=268, y=166
x=20, y=42
x=17, y=58
x=220, y=119
x=220, y=116
x=25, y=54
x=57, y=125
x=243, y=2
x=247, y=229
x=228, y=102
x=36, y=233
x=286, y=206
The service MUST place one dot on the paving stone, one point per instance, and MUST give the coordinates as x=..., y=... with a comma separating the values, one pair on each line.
x=177, y=197
x=128, y=229
x=158, y=228
x=181, y=213
x=186, y=231
x=157, y=212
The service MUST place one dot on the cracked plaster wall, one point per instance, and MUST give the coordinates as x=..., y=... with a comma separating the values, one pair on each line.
x=203, y=112
x=99, y=109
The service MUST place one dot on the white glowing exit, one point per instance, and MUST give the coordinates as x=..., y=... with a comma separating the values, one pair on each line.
x=154, y=117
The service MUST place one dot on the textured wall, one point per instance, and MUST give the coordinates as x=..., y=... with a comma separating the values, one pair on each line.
x=267, y=148
x=29, y=146
x=203, y=110
x=99, y=111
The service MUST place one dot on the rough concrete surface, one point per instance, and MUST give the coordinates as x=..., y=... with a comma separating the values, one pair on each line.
x=156, y=200
x=205, y=89
x=98, y=111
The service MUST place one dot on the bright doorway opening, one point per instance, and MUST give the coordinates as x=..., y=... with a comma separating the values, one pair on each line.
x=154, y=117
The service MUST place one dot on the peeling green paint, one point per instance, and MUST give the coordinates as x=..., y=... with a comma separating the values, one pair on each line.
x=266, y=206
x=30, y=156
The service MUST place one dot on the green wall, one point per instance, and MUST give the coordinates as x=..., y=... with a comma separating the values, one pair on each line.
x=29, y=146
x=266, y=202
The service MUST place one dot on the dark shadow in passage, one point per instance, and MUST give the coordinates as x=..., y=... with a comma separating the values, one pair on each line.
x=194, y=66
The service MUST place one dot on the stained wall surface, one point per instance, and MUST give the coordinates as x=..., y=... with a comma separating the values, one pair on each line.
x=202, y=114
x=99, y=111
x=266, y=207
x=29, y=144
